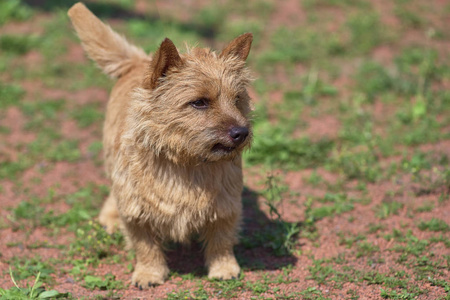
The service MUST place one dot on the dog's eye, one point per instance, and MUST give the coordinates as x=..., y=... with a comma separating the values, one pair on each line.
x=201, y=103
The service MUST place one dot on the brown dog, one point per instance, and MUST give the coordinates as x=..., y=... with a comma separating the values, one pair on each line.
x=175, y=128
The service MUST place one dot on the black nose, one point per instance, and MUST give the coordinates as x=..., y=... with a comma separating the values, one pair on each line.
x=238, y=134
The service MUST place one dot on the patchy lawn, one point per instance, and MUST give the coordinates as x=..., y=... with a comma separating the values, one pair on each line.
x=347, y=183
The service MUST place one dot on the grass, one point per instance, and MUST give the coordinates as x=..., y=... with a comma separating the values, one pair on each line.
x=109, y=283
x=14, y=10
x=434, y=225
x=11, y=94
x=388, y=208
x=17, y=44
x=366, y=32
x=273, y=147
x=376, y=188
x=87, y=115
x=279, y=235
x=36, y=291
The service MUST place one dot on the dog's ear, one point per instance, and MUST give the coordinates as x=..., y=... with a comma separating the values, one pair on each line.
x=165, y=58
x=239, y=47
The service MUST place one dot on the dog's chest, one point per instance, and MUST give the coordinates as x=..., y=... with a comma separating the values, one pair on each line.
x=178, y=201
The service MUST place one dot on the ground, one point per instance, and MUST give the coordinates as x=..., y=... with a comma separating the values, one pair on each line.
x=347, y=184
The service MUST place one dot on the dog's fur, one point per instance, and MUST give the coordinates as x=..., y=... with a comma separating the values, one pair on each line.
x=170, y=180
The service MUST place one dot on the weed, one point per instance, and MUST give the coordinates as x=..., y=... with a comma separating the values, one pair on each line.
x=434, y=225
x=289, y=46
x=10, y=169
x=66, y=150
x=151, y=34
x=366, y=249
x=27, y=267
x=366, y=32
x=373, y=277
x=409, y=18
x=440, y=282
x=32, y=212
x=362, y=165
x=210, y=19
x=273, y=147
x=232, y=29
x=42, y=112
x=418, y=162
x=93, y=242
x=313, y=88
x=414, y=246
x=441, y=238
x=30, y=293
x=229, y=289
x=372, y=79
x=314, y=179
x=10, y=94
x=388, y=208
x=282, y=240
x=87, y=115
x=312, y=293
x=319, y=272
x=374, y=228
x=199, y=294
x=109, y=283
x=328, y=210
x=14, y=10
x=17, y=44
x=348, y=241
x=392, y=294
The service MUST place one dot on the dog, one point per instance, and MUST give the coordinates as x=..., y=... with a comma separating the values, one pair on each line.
x=175, y=129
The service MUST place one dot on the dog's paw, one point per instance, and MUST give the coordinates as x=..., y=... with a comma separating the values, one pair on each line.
x=109, y=223
x=144, y=279
x=224, y=269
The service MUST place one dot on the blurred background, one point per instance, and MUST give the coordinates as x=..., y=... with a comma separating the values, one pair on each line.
x=350, y=155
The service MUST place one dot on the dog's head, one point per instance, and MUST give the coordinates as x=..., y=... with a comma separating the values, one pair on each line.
x=195, y=107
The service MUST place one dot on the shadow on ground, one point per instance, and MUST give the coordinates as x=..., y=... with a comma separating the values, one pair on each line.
x=257, y=249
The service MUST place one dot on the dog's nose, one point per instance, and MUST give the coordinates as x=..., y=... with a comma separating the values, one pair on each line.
x=238, y=134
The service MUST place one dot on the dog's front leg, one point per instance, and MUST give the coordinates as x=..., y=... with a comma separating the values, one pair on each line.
x=151, y=267
x=220, y=237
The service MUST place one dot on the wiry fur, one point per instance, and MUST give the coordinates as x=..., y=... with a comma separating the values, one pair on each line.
x=167, y=183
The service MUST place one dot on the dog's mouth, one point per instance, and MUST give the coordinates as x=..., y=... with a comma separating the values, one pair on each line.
x=222, y=148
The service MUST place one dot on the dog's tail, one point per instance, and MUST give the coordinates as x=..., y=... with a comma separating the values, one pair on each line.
x=114, y=55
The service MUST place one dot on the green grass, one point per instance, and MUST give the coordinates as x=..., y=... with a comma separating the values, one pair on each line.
x=28, y=267
x=366, y=249
x=11, y=169
x=14, y=10
x=151, y=34
x=10, y=94
x=36, y=291
x=280, y=235
x=434, y=225
x=366, y=32
x=109, y=283
x=273, y=147
x=87, y=115
x=388, y=208
x=373, y=80
x=17, y=44
x=92, y=242
x=387, y=94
